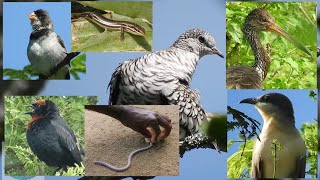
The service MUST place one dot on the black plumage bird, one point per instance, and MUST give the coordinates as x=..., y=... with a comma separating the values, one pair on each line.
x=50, y=138
x=46, y=49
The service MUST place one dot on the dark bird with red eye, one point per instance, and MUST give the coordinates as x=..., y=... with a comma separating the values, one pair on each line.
x=50, y=138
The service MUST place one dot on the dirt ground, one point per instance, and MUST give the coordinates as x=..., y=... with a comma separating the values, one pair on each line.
x=106, y=139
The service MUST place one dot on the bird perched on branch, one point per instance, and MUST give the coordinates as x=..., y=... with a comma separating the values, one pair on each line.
x=163, y=77
x=46, y=49
x=279, y=125
x=246, y=77
x=50, y=138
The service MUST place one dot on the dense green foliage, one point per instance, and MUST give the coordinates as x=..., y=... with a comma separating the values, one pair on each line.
x=310, y=135
x=239, y=163
x=87, y=36
x=290, y=67
x=77, y=66
x=19, y=159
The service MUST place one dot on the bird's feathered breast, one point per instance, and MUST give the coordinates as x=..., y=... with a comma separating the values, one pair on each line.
x=293, y=147
x=52, y=137
x=45, y=50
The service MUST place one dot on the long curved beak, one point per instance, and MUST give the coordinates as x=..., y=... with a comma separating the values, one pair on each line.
x=277, y=29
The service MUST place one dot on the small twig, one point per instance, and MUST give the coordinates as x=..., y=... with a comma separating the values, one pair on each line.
x=276, y=146
x=274, y=161
x=239, y=141
x=305, y=14
x=245, y=142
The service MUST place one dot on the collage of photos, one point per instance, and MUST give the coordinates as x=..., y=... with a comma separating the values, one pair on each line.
x=159, y=89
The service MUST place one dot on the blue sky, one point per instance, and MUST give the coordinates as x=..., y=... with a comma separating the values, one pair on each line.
x=17, y=29
x=305, y=109
x=170, y=20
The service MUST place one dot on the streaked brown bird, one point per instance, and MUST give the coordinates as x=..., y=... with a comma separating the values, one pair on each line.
x=245, y=77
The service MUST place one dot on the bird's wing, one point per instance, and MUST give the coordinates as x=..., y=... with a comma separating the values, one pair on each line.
x=257, y=164
x=68, y=141
x=190, y=111
x=114, y=85
x=243, y=77
x=61, y=41
x=300, y=170
x=257, y=168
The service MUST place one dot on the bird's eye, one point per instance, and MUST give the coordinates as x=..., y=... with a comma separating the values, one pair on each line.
x=201, y=39
x=37, y=105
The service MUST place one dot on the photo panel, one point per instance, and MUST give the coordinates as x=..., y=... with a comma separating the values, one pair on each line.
x=113, y=148
x=271, y=45
x=274, y=134
x=111, y=26
x=45, y=135
x=40, y=48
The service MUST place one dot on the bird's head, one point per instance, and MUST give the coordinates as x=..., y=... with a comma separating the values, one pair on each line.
x=197, y=41
x=261, y=20
x=272, y=104
x=40, y=19
x=42, y=108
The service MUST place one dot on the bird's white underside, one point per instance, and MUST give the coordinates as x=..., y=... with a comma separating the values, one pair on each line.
x=276, y=127
x=293, y=146
x=50, y=48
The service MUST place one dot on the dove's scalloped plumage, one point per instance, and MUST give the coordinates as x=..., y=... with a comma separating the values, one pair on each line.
x=163, y=77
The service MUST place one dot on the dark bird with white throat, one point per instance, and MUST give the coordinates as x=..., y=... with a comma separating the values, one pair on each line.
x=279, y=124
x=46, y=49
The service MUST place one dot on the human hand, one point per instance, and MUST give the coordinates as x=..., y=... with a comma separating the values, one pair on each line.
x=147, y=123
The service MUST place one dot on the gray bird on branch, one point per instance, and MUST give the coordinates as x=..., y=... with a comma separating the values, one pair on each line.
x=163, y=77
